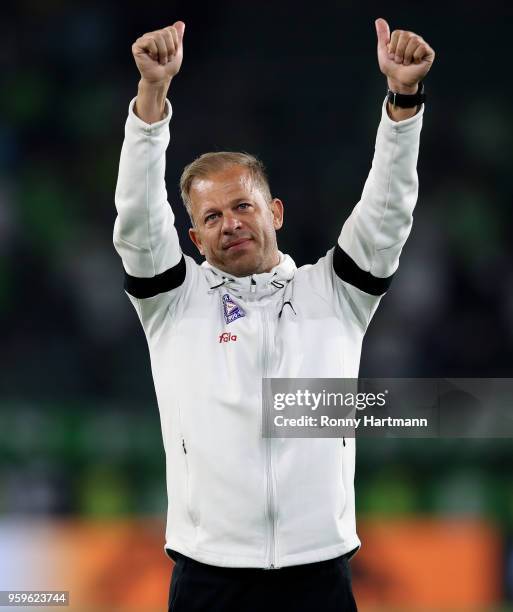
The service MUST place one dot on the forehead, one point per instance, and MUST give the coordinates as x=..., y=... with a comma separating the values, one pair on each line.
x=222, y=187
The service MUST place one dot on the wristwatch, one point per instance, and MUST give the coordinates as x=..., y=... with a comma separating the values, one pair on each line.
x=407, y=100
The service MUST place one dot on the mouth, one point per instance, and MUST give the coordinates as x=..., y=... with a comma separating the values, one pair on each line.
x=236, y=244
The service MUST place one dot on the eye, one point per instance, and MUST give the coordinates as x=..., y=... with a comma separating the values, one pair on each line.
x=210, y=217
x=243, y=205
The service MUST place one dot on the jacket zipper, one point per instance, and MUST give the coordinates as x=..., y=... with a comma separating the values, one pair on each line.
x=271, y=498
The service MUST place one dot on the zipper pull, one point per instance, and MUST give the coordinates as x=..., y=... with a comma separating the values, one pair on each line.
x=183, y=445
x=252, y=289
x=344, y=441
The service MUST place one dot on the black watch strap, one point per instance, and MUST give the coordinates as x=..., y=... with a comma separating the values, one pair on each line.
x=405, y=100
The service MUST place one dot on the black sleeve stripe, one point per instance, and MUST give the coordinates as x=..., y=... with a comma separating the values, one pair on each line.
x=150, y=287
x=347, y=270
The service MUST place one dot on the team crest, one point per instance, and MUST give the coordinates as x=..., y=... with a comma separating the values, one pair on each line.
x=231, y=310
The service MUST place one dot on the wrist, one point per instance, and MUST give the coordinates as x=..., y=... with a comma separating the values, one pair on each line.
x=402, y=88
x=155, y=87
x=150, y=104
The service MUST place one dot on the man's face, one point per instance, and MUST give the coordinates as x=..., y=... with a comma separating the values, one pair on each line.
x=234, y=226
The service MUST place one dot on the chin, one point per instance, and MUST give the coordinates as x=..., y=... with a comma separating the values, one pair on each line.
x=243, y=266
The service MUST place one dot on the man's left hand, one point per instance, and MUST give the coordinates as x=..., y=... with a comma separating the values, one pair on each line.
x=404, y=58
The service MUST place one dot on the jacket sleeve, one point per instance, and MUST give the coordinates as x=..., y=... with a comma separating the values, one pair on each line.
x=370, y=243
x=144, y=233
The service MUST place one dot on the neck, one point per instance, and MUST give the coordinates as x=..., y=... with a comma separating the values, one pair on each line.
x=276, y=260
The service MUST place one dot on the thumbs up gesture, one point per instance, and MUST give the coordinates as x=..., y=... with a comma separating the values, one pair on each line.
x=404, y=57
x=159, y=54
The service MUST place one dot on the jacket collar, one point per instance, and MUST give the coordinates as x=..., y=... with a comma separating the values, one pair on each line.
x=264, y=283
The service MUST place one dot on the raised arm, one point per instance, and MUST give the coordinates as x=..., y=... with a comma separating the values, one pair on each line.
x=144, y=232
x=372, y=238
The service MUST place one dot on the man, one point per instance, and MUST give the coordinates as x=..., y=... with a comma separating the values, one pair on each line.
x=256, y=522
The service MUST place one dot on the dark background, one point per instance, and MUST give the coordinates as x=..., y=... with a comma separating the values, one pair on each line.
x=298, y=84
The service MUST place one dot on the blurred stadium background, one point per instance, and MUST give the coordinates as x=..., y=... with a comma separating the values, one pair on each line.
x=82, y=489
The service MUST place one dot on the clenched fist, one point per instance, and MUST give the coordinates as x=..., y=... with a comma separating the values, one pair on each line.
x=404, y=58
x=159, y=54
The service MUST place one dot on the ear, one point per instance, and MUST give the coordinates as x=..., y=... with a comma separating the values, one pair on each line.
x=277, y=210
x=195, y=237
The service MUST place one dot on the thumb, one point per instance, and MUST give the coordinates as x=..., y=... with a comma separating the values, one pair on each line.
x=180, y=28
x=383, y=32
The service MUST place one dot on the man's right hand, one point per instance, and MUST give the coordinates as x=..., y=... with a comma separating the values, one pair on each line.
x=158, y=56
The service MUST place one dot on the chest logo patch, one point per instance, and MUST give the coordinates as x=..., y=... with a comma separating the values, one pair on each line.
x=231, y=310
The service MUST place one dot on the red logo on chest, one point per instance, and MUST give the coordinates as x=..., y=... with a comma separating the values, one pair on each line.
x=227, y=337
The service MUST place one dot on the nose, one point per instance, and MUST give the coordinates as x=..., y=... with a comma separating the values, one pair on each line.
x=230, y=223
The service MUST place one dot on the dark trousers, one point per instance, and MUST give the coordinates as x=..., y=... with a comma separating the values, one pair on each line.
x=323, y=586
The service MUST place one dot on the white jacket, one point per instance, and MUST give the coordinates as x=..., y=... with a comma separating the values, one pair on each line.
x=237, y=499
